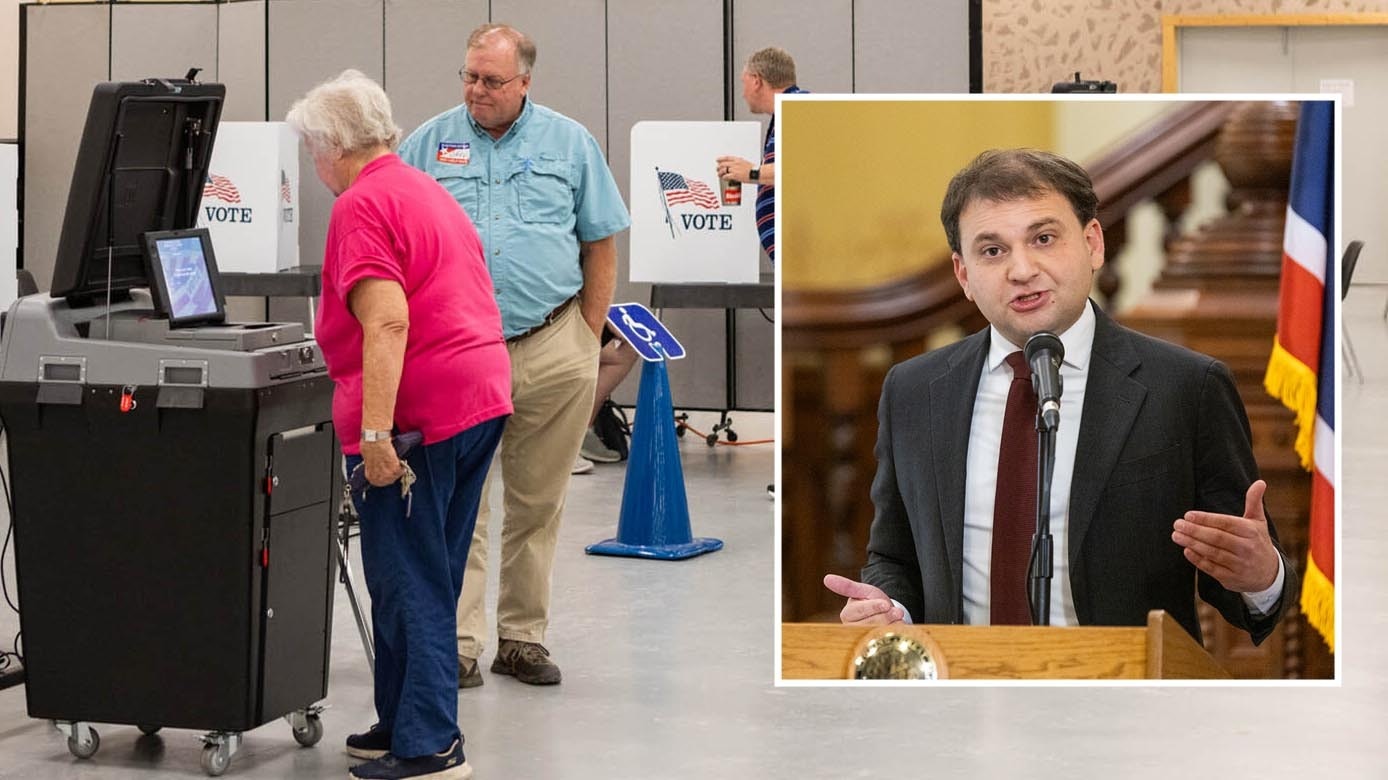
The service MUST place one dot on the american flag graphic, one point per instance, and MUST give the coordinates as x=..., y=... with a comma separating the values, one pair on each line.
x=221, y=188
x=679, y=190
x=284, y=187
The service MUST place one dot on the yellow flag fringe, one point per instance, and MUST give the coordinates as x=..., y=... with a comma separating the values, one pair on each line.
x=1318, y=601
x=1294, y=384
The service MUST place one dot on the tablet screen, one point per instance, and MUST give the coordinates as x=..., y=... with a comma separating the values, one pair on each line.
x=183, y=276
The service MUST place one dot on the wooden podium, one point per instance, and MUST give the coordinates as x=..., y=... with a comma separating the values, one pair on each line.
x=1161, y=651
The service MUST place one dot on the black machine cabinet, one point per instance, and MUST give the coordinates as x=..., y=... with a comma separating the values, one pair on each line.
x=176, y=489
x=175, y=565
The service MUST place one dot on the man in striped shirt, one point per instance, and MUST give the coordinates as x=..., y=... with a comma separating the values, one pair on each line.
x=768, y=72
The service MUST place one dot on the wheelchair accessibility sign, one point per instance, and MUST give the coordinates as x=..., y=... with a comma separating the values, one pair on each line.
x=639, y=328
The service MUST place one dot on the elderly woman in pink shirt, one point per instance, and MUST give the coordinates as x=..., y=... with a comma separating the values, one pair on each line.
x=411, y=333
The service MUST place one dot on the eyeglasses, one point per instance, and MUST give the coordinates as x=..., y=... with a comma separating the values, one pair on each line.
x=490, y=82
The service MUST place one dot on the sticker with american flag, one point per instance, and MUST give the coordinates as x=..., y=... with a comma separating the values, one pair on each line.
x=220, y=188
x=284, y=187
x=679, y=189
x=454, y=153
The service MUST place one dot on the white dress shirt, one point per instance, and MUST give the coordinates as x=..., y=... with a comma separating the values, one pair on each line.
x=981, y=469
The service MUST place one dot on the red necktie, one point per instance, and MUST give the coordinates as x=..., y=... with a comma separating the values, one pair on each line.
x=1014, y=504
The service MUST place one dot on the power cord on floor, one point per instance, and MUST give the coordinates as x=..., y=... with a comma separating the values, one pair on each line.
x=681, y=425
x=703, y=435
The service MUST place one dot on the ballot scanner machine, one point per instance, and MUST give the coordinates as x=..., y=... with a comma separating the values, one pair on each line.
x=175, y=477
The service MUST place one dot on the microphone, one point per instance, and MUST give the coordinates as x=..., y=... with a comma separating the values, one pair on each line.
x=1043, y=352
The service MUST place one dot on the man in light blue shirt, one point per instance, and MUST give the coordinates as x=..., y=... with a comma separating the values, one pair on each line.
x=535, y=184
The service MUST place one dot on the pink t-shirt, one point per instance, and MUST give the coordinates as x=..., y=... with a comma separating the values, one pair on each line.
x=395, y=222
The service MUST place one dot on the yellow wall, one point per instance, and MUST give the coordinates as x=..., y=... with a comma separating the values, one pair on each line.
x=1084, y=130
x=862, y=180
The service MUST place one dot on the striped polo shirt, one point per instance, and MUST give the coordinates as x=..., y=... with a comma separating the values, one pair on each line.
x=766, y=190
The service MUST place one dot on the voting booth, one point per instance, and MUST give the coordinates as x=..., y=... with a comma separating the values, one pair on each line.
x=250, y=197
x=175, y=476
x=684, y=225
x=696, y=239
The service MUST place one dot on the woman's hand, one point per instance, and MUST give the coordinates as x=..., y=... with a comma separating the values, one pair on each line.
x=382, y=465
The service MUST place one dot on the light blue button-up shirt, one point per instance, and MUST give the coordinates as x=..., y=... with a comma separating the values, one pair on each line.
x=533, y=194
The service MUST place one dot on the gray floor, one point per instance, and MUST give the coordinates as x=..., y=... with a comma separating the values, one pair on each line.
x=668, y=667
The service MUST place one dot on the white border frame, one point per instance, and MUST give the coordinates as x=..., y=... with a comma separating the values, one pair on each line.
x=1340, y=574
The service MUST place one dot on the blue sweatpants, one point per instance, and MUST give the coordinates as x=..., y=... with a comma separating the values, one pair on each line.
x=414, y=572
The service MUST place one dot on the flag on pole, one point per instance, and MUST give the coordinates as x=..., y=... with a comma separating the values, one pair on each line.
x=682, y=189
x=665, y=201
x=221, y=188
x=1301, y=372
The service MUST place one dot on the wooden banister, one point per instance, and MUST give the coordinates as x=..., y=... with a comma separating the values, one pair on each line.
x=902, y=310
x=1155, y=158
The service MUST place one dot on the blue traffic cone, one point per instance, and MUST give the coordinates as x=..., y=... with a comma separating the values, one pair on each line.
x=655, y=511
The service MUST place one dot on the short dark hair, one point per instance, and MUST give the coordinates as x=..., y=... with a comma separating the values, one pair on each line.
x=1016, y=174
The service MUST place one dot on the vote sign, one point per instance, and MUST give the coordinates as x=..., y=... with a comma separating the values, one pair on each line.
x=683, y=228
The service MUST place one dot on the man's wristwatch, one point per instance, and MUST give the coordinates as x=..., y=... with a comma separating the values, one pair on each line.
x=754, y=174
x=373, y=436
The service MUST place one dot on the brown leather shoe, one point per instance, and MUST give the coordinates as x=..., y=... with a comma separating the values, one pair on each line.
x=469, y=672
x=528, y=661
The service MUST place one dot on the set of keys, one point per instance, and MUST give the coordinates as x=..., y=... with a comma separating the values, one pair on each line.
x=403, y=444
x=407, y=481
x=357, y=481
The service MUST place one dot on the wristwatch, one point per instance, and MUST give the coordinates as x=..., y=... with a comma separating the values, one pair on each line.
x=373, y=436
x=754, y=174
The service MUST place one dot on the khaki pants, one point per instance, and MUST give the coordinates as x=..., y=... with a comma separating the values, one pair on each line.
x=553, y=375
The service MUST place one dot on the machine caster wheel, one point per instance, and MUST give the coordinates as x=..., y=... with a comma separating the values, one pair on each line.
x=149, y=731
x=732, y=435
x=711, y=439
x=312, y=731
x=88, y=750
x=216, y=759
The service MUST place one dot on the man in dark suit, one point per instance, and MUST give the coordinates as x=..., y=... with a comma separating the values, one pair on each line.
x=1155, y=489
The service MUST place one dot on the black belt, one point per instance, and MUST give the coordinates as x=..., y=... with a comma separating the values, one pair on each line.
x=545, y=323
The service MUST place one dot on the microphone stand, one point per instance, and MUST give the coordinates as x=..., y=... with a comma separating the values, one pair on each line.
x=1039, y=570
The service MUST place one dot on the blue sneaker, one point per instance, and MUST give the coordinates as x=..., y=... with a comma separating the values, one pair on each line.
x=374, y=743
x=448, y=765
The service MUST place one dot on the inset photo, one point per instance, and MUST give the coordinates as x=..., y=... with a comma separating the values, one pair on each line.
x=1058, y=388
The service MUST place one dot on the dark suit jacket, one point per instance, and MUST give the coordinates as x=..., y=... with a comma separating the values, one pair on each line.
x=1162, y=432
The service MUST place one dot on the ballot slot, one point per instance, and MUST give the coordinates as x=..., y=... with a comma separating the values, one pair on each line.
x=62, y=369
x=183, y=373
